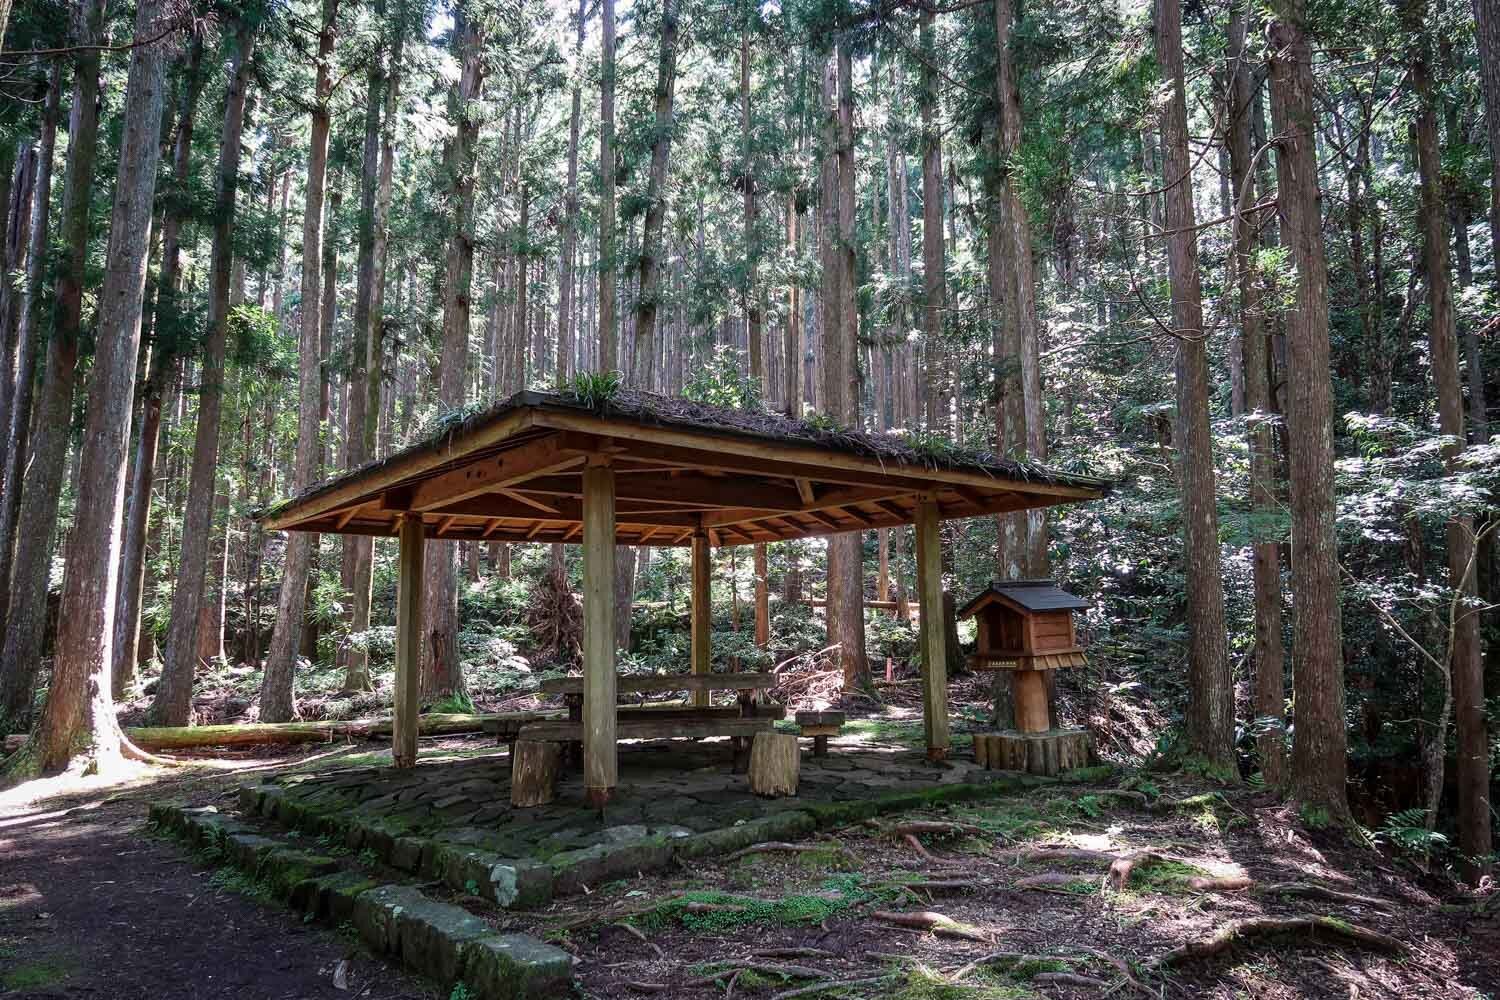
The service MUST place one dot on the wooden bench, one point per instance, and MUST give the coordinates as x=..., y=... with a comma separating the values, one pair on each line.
x=507, y=731
x=740, y=731
x=747, y=685
x=820, y=726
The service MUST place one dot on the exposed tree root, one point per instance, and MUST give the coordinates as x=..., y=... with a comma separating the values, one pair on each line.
x=1068, y=979
x=1047, y=882
x=636, y=932
x=1311, y=890
x=916, y=845
x=826, y=985
x=793, y=953
x=737, y=966
x=1220, y=883
x=937, y=828
x=1062, y=854
x=936, y=923
x=1237, y=930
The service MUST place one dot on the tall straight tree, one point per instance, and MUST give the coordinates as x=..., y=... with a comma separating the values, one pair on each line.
x=1024, y=552
x=934, y=262
x=1319, y=735
x=277, y=699
x=648, y=298
x=846, y=607
x=608, y=353
x=570, y=212
x=174, y=693
x=1210, y=713
x=78, y=719
x=1487, y=24
x=442, y=669
x=15, y=447
x=42, y=486
x=166, y=345
x=1255, y=345
x=1465, y=661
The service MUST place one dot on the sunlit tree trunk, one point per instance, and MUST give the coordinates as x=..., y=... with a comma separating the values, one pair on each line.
x=78, y=719
x=1319, y=737
x=1255, y=344
x=172, y=705
x=277, y=701
x=1465, y=664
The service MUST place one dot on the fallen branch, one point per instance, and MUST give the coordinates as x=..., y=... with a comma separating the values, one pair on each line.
x=1062, y=854
x=793, y=953
x=936, y=923
x=1237, y=930
x=1122, y=967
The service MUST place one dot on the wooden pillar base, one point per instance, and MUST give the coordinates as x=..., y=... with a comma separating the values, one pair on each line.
x=1048, y=753
x=598, y=798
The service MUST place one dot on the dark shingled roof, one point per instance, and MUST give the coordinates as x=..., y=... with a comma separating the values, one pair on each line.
x=1033, y=595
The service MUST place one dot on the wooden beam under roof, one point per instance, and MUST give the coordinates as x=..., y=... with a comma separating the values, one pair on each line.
x=488, y=475
x=697, y=488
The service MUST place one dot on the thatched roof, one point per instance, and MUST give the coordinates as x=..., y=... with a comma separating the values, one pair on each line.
x=770, y=467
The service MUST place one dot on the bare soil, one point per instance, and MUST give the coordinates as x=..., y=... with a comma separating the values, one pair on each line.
x=91, y=905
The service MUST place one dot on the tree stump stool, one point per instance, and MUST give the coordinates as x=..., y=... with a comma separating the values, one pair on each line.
x=535, y=766
x=775, y=764
x=1049, y=753
x=820, y=726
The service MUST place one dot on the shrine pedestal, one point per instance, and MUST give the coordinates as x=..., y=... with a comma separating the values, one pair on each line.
x=1047, y=753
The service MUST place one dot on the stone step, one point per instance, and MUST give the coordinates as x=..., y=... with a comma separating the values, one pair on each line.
x=439, y=940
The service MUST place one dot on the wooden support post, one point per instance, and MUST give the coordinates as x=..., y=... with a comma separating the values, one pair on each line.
x=601, y=766
x=1029, y=689
x=702, y=613
x=931, y=642
x=762, y=598
x=408, y=641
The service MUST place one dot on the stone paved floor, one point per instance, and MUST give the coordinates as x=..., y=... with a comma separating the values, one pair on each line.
x=671, y=787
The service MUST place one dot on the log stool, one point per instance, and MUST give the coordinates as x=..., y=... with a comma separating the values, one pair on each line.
x=1025, y=628
x=775, y=764
x=535, y=766
x=820, y=726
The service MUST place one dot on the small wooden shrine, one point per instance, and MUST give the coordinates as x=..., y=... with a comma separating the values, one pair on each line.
x=1025, y=628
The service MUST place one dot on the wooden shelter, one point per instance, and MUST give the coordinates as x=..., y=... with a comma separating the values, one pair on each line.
x=641, y=469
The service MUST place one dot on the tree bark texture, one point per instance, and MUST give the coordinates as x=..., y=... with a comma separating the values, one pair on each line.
x=1210, y=712
x=277, y=700
x=78, y=718
x=1319, y=739
x=174, y=693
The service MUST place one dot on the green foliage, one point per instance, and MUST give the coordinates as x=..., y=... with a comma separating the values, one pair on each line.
x=595, y=390
x=1407, y=832
x=722, y=380
x=460, y=992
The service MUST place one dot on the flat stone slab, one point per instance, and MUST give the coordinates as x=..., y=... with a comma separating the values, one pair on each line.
x=450, y=820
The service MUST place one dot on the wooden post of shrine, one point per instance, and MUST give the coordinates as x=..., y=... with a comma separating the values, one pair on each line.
x=600, y=760
x=933, y=648
x=702, y=611
x=408, y=641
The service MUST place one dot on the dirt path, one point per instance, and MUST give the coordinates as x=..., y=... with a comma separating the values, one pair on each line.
x=92, y=906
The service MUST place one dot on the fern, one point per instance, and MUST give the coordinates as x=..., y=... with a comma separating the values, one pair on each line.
x=1407, y=832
